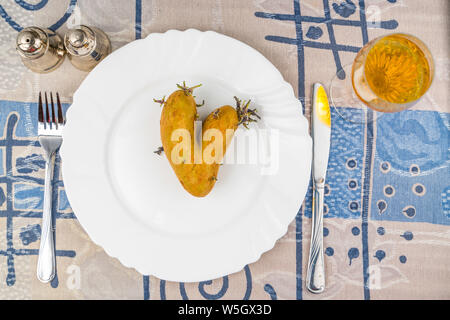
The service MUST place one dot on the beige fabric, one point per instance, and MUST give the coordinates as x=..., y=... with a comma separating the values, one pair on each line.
x=92, y=274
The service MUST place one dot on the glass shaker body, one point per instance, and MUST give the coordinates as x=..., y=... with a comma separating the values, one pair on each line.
x=40, y=49
x=86, y=46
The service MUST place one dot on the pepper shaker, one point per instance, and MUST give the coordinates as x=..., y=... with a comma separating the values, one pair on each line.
x=40, y=49
x=86, y=46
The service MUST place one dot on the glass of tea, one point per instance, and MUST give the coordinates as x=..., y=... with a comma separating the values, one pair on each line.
x=389, y=74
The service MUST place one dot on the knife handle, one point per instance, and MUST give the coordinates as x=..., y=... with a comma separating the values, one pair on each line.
x=315, y=276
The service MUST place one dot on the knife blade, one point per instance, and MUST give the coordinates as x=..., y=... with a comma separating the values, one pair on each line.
x=321, y=132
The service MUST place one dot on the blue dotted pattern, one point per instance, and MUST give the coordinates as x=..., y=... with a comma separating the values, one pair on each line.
x=345, y=164
x=343, y=200
x=411, y=168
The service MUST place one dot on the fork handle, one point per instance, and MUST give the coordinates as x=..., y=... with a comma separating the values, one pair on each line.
x=46, y=267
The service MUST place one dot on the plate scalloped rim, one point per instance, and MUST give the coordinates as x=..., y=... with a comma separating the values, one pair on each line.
x=287, y=117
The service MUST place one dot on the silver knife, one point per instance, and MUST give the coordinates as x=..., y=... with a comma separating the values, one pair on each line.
x=321, y=131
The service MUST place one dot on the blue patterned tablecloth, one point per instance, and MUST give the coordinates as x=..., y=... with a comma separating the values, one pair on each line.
x=387, y=203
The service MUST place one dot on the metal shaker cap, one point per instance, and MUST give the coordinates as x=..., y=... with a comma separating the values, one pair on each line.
x=79, y=41
x=31, y=42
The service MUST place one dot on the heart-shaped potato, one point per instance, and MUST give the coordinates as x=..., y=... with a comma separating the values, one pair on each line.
x=197, y=167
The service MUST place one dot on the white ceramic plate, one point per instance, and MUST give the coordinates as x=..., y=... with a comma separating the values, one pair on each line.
x=128, y=198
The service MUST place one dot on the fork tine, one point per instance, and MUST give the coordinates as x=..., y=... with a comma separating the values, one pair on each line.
x=47, y=113
x=40, y=109
x=60, y=112
x=53, y=111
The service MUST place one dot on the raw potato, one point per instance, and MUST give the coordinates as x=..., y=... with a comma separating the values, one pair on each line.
x=222, y=119
x=180, y=112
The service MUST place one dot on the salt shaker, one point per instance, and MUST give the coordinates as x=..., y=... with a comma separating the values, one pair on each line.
x=40, y=49
x=86, y=46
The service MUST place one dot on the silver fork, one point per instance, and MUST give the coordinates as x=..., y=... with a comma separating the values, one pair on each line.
x=50, y=137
